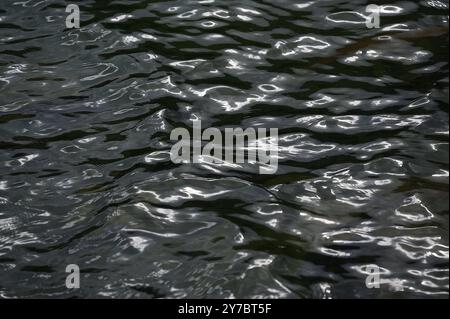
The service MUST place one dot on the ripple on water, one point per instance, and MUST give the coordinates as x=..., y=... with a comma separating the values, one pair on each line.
x=85, y=170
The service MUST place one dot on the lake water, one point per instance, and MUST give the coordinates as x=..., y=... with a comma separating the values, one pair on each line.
x=85, y=170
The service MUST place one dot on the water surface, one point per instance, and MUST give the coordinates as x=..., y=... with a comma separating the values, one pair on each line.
x=85, y=170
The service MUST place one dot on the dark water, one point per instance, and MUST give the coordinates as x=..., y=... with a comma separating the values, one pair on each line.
x=86, y=177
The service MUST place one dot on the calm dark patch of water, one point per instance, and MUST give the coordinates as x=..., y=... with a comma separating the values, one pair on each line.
x=86, y=176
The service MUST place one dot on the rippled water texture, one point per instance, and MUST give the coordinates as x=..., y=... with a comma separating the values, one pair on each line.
x=86, y=176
